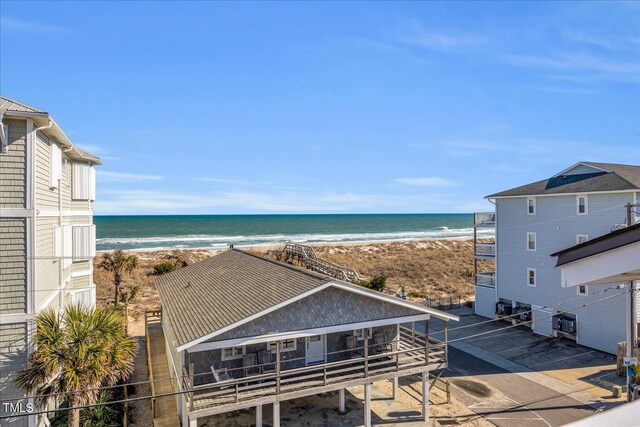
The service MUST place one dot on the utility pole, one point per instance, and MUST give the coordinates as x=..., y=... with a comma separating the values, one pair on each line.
x=631, y=298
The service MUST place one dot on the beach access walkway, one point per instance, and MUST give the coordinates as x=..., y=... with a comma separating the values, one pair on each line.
x=163, y=409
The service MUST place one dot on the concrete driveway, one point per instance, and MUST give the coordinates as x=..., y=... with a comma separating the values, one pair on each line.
x=514, y=377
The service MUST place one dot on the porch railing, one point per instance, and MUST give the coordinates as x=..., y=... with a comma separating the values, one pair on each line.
x=412, y=350
x=484, y=219
x=150, y=315
x=485, y=250
x=486, y=279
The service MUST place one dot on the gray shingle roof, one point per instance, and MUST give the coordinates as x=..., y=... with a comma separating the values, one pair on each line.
x=615, y=178
x=217, y=292
x=9, y=104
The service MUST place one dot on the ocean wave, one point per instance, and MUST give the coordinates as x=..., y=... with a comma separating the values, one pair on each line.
x=221, y=241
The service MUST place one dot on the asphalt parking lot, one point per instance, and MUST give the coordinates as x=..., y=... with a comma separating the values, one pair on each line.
x=514, y=377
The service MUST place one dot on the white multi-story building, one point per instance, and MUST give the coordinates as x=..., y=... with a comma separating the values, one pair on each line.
x=536, y=220
x=47, y=236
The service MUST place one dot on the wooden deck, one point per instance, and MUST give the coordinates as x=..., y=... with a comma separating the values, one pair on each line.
x=410, y=356
x=164, y=409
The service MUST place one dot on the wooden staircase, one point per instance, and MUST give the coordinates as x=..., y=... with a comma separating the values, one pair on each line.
x=306, y=256
x=164, y=409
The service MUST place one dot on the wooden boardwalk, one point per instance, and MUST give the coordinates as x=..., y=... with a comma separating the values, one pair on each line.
x=306, y=255
x=164, y=409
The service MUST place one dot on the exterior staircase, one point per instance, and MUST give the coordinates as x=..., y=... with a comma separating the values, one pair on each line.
x=307, y=257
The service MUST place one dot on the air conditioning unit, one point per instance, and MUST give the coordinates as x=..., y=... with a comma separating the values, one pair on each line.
x=524, y=315
x=504, y=309
x=557, y=323
x=569, y=326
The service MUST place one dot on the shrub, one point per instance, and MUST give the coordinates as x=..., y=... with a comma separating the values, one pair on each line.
x=416, y=294
x=377, y=283
x=163, y=267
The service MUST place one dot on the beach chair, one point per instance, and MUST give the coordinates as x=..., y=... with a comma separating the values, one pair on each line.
x=379, y=344
x=267, y=364
x=221, y=374
x=249, y=362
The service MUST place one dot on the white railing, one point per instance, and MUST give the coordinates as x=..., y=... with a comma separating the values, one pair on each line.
x=486, y=279
x=484, y=219
x=485, y=250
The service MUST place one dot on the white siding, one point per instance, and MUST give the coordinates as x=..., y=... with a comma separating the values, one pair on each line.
x=485, y=304
x=556, y=225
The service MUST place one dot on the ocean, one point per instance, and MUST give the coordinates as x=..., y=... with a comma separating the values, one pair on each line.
x=219, y=231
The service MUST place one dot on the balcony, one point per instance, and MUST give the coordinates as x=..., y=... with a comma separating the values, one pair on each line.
x=485, y=250
x=486, y=279
x=484, y=219
x=247, y=386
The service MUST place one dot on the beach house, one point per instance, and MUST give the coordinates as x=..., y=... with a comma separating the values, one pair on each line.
x=47, y=237
x=243, y=331
x=536, y=220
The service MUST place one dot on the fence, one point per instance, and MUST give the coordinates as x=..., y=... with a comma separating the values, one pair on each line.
x=445, y=303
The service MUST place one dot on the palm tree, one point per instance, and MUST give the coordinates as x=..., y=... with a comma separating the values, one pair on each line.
x=118, y=263
x=76, y=353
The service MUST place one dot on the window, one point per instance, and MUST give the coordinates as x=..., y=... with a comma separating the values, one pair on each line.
x=531, y=241
x=531, y=276
x=581, y=238
x=286, y=345
x=56, y=165
x=582, y=204
x=531, y=206
x=231, y=353
x=84, y=182
x=582, y=290
x=84, y=242
x=358, y=334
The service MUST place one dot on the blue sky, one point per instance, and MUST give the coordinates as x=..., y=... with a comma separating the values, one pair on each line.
x=327, y=107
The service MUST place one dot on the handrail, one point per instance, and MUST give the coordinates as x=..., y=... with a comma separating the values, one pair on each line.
x=307, y=255
x=304, y=369
x=149, y=364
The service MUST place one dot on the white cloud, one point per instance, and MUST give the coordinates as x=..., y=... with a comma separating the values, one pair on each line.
x=224, y=181
x=162, y=202
x=108, y=176
x=20, y=26
x=415, y=33
x=433, y=181
x=596, y=68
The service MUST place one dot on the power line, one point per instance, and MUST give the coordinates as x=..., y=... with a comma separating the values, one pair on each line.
x=540, y=318
x=215, y=386
x=436, y=332
x=532, y=310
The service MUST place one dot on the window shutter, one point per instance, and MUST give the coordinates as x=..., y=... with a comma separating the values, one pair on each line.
x=4, y=137
x=56, y=165
x=92, y=241
x=80, y=180
x=58, y=243
x=68, y=251
x=92, y=183
x=82, y=236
